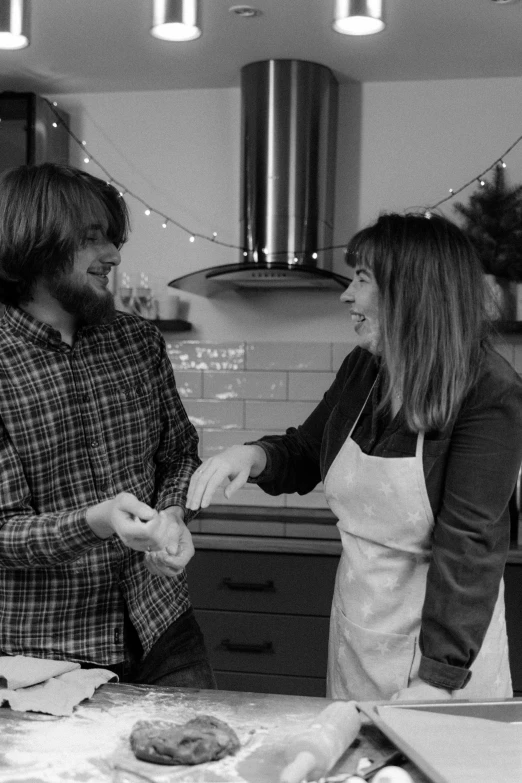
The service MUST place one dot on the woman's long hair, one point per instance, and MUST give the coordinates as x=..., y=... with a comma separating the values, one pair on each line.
x=432, y=312
x=44, y=211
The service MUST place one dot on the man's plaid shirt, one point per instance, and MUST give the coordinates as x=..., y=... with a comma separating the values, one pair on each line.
x=77, y=426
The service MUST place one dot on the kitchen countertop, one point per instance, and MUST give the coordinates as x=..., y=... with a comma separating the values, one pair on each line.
x=266, y=529
x=92, y=745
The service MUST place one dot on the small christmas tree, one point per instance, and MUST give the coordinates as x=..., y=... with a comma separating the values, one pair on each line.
x=493, y=223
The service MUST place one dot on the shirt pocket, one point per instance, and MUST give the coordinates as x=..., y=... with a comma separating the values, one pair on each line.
x=140, y=416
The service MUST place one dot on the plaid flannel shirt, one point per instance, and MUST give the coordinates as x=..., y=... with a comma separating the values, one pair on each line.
x=77, y=426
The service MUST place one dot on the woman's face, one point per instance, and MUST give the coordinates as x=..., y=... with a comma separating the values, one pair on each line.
x=363, y=296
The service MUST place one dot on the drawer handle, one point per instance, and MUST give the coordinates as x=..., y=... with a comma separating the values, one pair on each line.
x=259, y=587
x=264, y=647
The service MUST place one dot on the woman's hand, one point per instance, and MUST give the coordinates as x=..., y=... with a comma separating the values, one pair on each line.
x=419, y=690
x=230, y=468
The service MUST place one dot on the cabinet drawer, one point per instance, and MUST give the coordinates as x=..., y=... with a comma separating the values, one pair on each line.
x=262, y=582
x=267, y=644
x=271, y=683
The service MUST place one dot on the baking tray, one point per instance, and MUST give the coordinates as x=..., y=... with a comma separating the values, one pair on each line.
x=455, y=741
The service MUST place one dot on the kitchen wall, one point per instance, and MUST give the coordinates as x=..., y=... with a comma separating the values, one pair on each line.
x=400, y=145
x=236, y=392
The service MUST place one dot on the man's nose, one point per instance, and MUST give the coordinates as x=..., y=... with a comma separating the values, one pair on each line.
x=112, y=254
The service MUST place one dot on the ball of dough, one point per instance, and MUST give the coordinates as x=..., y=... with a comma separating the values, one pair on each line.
x=392, y=775
x=204, y=738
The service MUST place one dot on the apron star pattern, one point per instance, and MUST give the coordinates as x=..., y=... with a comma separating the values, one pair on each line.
x=385, y=522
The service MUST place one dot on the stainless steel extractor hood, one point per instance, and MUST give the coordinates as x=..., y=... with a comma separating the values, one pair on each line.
x=288, y=131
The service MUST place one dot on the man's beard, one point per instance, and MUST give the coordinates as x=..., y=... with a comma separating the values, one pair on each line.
x=90, y=308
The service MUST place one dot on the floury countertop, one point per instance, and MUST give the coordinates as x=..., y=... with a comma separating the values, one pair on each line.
x=265, y=529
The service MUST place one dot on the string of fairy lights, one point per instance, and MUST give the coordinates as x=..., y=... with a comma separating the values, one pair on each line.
x=193, y=235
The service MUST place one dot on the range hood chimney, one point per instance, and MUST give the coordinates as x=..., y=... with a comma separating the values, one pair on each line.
x=288, y=130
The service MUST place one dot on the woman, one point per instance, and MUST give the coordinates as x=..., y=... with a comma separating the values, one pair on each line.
x=418, y=442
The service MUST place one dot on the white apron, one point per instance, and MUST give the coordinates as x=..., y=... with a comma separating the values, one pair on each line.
x=385, y=522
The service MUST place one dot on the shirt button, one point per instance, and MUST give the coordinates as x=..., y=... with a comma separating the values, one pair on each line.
x=94, y=443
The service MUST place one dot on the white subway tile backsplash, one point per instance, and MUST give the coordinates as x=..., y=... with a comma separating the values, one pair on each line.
x=288, y=356
x=276, y=416
x=245, y=385
x=242, y=528
x=189, y=383
x=214, y=441
x=194, y=355
x=309, y=385
x=228, y=414
x=249, y=497
x=237, y=392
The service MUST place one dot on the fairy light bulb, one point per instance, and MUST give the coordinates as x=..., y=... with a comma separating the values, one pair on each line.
x=147, y=211
x=314, y=255
x=164, y=224
x=192, y=238
x=86, y=160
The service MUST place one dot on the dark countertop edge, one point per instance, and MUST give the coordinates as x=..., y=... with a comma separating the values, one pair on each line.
x=260, y=544
x=315, y=516
x=290, y=545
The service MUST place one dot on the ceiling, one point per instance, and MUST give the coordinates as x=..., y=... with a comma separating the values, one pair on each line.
x=105, y=46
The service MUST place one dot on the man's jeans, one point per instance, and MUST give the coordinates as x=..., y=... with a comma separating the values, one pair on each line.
x=178, y=658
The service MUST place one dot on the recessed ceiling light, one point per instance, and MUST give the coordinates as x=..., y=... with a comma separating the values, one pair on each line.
x=244, y=10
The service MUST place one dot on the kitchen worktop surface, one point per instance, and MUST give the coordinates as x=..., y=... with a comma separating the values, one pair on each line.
x=92, y=745
x=264, y=529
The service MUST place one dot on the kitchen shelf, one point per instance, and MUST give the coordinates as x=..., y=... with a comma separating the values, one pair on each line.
x=175, y=325
x=509, y=327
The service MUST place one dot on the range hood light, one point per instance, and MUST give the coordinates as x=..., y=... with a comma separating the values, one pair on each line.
x=358, y=17
x=175, y=20
x=14, y=24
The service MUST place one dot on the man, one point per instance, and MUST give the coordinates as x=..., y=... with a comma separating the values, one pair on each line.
x=96, y=450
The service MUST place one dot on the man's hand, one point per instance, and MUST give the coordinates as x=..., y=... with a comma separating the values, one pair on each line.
x=178, y=549
x=138, y=525
x=422, y=691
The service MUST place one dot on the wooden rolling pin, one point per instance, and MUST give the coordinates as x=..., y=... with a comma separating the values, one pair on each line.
x=314, y=751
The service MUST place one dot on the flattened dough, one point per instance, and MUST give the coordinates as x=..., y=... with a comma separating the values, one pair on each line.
x=204, y=738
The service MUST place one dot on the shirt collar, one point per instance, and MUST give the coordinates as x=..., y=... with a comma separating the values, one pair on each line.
x=33, y=330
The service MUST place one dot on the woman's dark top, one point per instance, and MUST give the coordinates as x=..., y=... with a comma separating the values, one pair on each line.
x=470, y=470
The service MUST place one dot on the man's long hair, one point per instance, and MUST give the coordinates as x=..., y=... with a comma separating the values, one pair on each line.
x=432, y=310
x=44, y=210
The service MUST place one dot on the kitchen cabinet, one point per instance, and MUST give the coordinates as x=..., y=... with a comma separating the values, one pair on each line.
x=31, y=131
x=513, y=598
x=265, y=617
x=265, y=614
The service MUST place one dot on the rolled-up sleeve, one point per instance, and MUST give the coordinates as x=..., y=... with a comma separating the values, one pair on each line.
x=471, y=533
